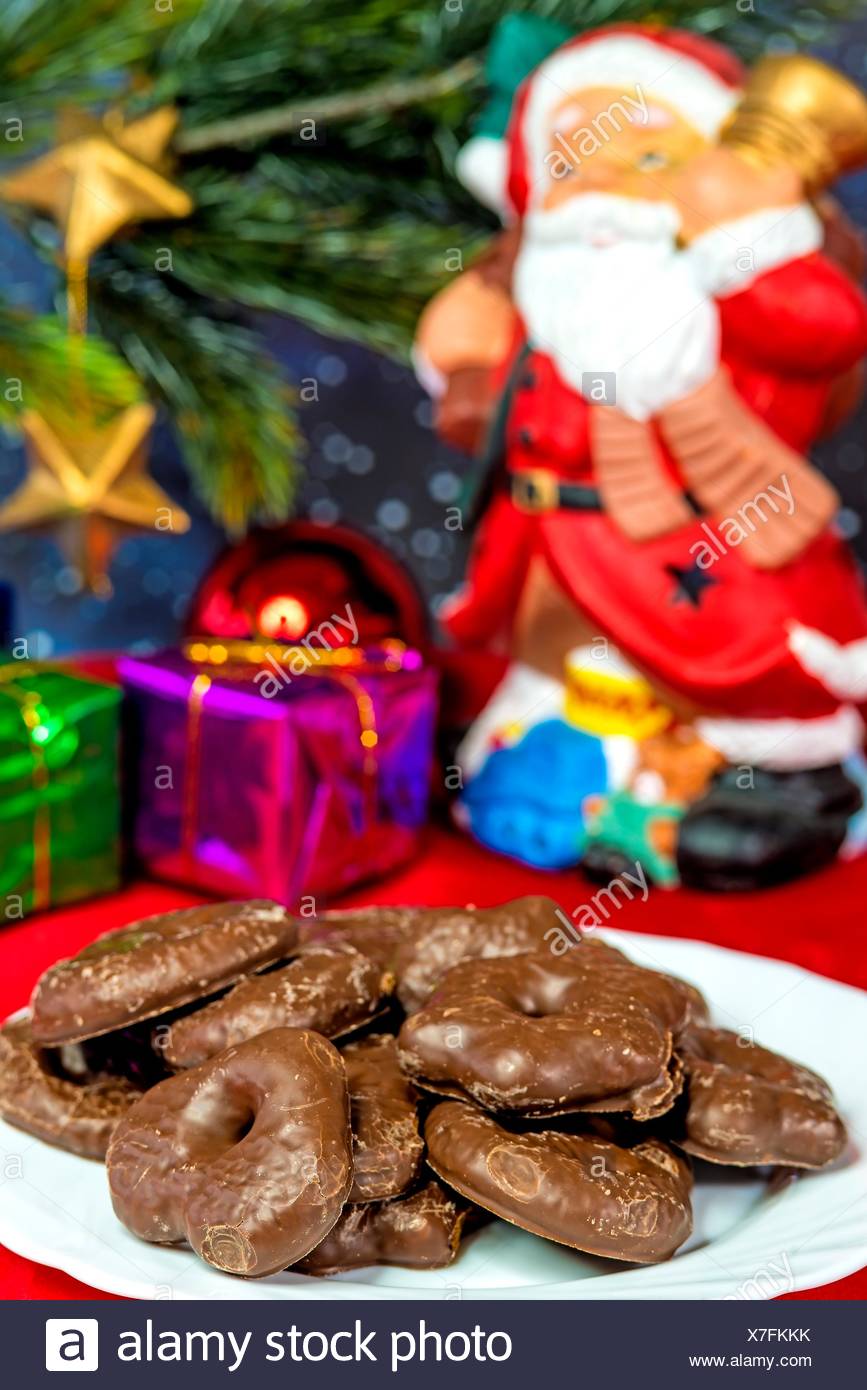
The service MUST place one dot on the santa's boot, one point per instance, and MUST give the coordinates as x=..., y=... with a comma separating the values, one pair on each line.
x=755, y=828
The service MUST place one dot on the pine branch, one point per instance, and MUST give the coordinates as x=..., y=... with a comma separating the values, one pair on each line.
x=347, y=251
x=230, y=405
x=42, y=369
x=55, y=53
x=381, y=99
x=351, y=234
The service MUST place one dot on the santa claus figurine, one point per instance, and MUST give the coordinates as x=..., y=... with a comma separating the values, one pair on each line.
x=644, y=362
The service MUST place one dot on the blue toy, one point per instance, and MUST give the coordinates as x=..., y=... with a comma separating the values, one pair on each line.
x=526, y=801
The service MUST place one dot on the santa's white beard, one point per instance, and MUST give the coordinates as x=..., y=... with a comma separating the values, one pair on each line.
x=602, y=288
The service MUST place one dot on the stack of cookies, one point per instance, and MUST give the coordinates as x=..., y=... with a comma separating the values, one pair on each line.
x=365, y=1088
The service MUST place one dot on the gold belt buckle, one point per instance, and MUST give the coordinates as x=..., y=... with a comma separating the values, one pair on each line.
x=535, y=490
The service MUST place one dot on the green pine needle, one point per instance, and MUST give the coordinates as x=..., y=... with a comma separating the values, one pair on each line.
x=231, y=407
x=43, y=369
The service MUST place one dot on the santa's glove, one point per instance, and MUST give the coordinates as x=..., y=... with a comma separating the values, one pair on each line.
x=841, y=667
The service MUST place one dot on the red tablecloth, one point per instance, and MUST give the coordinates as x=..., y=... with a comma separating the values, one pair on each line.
x=818, y=924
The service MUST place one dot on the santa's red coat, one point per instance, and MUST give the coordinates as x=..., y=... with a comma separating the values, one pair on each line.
x=785, y=339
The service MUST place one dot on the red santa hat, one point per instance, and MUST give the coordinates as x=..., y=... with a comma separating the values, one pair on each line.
x=695, y=76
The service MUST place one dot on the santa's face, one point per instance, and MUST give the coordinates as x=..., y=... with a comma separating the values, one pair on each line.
x=613, y=140
x=599, y=280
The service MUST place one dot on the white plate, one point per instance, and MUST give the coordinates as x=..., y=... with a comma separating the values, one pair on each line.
x=749, y=1241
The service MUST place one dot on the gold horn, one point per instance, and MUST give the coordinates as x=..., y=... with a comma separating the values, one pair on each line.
x=798, y=111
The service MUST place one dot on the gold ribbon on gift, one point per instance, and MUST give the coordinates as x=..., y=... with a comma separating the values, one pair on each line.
x=237, y=658
x=29, y=707
x=247, y=652
x=195, y=700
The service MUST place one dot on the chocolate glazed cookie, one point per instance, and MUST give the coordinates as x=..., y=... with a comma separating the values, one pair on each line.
x=421, y=944
x=156, y=965
x=385, y=1136
x=625, y=1203
x=746, y=1105
x=422, y=1231
x=248, y=1157
x=540, y=1034
x=71, y=1114
x=330, y=989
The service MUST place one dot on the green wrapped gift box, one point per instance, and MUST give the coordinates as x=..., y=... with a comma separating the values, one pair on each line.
x=59, y=787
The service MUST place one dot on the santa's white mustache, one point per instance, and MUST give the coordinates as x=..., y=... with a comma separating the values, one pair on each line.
x=586, y=217
x=602, y=288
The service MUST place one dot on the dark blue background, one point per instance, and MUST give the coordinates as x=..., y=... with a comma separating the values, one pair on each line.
x=373, y=460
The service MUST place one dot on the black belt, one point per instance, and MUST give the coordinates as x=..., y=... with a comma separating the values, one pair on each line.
x=536, y=490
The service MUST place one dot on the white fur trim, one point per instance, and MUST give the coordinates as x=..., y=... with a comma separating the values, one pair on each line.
x=631, y=309
x=841, y=667
x=730, y=257
x=641, y=68
x=524, y=697
x=785, y=745
x=429, y=377
x=482, y=165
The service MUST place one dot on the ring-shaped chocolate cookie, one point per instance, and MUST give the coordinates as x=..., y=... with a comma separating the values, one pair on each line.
x=419, y=1231
x=386, y=1141
x=330, y=989
x=623, y=1202
x=70, y=1113
x=248, y=1157
x=539, y=1035
x=747, y=1106
x=156, y=965
x=419, y=944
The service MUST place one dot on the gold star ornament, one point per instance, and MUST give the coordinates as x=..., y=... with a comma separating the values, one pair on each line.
x=88, y=484
x=103, y=176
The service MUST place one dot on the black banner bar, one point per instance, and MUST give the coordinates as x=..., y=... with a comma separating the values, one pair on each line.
x=401, y=1344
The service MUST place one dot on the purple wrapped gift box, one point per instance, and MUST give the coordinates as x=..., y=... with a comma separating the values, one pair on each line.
x=297, y=784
